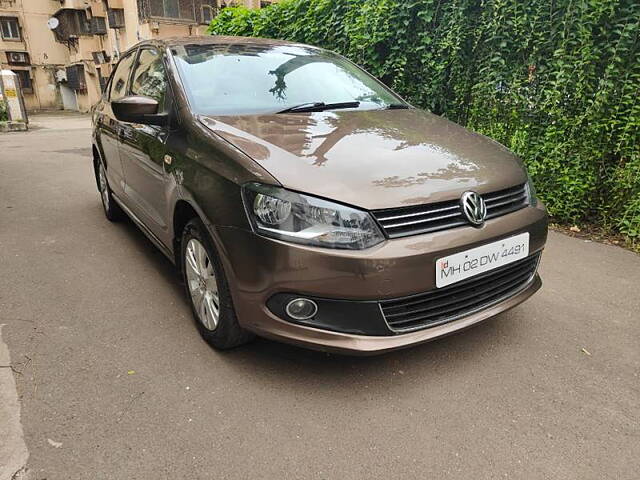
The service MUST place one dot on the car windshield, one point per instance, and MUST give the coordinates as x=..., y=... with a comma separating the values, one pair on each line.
x=240, y=79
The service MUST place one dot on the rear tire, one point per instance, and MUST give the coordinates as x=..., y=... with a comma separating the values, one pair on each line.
x=208, y=290
x=112, y=210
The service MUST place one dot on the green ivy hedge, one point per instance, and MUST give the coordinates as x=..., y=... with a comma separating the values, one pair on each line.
x=557, y=81
x=3, y=112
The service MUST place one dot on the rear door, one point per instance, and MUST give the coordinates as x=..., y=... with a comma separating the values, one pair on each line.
x=142, y=147
x=110, y=126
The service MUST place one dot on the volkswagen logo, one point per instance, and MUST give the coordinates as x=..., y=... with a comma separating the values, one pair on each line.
x=474, y=208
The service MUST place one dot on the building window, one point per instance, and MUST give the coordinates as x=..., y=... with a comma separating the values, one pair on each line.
x=75, y=78
x=102, y=80
x=188, y=11
x=98, y=25
x=174, y=9
x=10, y=28
x=116, y=17
x=207, y=12
x=24, y=77
x=100, y=57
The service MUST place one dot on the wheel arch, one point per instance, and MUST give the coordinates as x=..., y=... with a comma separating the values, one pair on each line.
x=183, y=212
x=97, y=157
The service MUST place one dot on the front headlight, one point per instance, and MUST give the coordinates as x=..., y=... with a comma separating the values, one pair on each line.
x=294, y=217
x=531, y=192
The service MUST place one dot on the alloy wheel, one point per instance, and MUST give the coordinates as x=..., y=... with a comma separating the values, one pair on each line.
x=202, y=284
x=104, y=187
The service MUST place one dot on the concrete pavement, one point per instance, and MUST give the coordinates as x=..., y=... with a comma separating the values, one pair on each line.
x=115, y=383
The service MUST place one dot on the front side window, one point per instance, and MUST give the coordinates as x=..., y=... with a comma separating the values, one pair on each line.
x=121, y=77
x=149, y=77
x=249, y=79
x=9, y=28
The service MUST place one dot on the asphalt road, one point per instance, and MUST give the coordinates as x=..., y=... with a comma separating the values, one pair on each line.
x=114, y=382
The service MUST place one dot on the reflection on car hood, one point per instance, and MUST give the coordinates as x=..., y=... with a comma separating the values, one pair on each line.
x=372, y=159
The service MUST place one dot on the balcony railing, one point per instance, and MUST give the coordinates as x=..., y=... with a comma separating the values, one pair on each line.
x=178, y=11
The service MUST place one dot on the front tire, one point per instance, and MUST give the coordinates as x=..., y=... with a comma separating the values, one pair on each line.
x=207, y=289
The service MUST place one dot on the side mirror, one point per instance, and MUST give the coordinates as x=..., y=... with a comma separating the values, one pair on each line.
x=138, y=109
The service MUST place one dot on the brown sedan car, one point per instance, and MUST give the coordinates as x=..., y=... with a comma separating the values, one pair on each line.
x=306, y=202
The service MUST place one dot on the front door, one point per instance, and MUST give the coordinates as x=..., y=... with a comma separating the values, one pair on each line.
x=69, y=100
x=142, y=147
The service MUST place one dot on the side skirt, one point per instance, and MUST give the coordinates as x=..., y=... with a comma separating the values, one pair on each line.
x=145, y=230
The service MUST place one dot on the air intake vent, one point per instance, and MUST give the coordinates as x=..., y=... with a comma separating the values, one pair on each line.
x=442, y=305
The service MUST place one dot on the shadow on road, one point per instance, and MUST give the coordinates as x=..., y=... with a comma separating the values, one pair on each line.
x=456, y=351
x=152, y=255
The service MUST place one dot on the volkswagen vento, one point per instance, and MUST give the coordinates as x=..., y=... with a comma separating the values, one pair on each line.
x=304, y=201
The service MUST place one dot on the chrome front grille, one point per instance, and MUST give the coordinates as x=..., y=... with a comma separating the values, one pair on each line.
x=505, y=201
x=442, y=305
x=414, y=220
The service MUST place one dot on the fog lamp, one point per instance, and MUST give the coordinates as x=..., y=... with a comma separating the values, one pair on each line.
x=301, y=309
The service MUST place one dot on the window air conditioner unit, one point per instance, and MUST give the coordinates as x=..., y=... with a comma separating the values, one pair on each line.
x=100, y=57
x=116, y=17
x=98, y=26
x=18, y=58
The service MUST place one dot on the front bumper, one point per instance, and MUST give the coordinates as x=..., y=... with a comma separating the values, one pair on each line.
x=259, y=268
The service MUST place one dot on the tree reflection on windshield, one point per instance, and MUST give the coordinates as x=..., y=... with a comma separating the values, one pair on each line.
x=237, y=79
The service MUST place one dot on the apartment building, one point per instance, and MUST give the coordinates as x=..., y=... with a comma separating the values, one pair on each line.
x=28, y=48
x=64, y=50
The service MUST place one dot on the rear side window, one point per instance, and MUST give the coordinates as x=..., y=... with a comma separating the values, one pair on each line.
x=149, y=78
x=121, y=77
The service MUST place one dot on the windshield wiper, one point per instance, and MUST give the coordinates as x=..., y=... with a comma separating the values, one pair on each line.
x=397, y=106
x=319, y=106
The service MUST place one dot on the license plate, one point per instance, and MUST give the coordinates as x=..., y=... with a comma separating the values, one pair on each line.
x=469, y=263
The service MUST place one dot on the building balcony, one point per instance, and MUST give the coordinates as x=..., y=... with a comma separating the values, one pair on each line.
x=76, y=4
x=187, y=12
x=115, y=3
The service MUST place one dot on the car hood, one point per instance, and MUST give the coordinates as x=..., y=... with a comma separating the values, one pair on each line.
x=372, y=159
